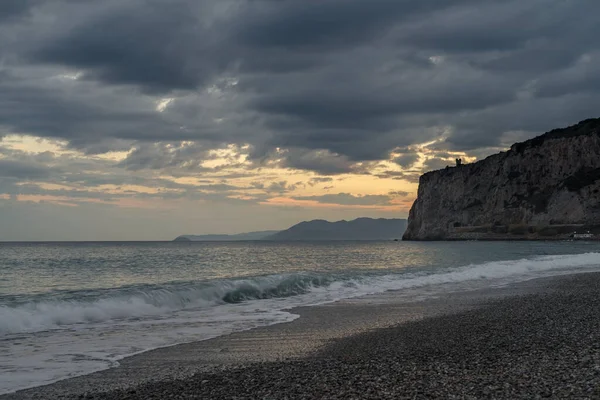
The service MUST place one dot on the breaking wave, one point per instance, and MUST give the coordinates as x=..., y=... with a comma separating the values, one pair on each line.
x=70, y=310
x=149, y=301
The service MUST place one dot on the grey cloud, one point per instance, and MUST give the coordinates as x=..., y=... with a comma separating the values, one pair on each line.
x=257, y=185
x=213, y=197
x=348, y=199
x=335, y=83
x=317, y=180
x=488, y=26
x=214, y=192
x=280, y=187
x=583, y=76
x=100, y=178
x=534, y=60
x=85, y=117
x=220, y=187
x=22, y=170
x=332, y=23
x=98, y=119
x=406, y=160
x=320, y=161
x=33, y=189
x=436, y=163
x=377, y=112
x=80, y=177
x=11, y=10
x=176, y=45
x=351, y=110
x=165, y=155
x=399, y=193
x=412, y=177
x=486, y=128
x=139, y=42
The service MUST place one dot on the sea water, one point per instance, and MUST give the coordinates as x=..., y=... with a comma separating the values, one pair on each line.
x=68, y=309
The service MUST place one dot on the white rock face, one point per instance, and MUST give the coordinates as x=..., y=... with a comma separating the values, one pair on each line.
x=544, y=188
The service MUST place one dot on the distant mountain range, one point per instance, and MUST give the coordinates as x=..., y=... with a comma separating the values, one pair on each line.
x=358, y=229
x=259, y=235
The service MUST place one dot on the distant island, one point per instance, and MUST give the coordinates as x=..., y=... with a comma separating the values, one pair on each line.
x=544, y=188
x=358, y=229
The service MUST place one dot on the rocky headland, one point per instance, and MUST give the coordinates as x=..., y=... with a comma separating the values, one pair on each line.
x=547, y=187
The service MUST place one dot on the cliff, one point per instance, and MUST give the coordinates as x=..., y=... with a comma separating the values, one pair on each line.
x=358, y=229
x=545, y=188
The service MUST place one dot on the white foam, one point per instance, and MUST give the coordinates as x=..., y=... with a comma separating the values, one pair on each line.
x=479, y=275
x=45, y=357
x=95, y=335
x=38, y=316
x=35, y=317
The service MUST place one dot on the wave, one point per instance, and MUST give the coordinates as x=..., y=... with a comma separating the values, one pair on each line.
x=152, y=301
x=157, y=301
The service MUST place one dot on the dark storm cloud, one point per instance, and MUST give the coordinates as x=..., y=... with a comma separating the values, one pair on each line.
x=313, y=85
x=330, y=24
x=163, y=46
x=11, y=10
x=348, y=108
x=484, y=26
x=157, y=45
x=530, y=117
x=583, y=76
x=59, y=110
x=97, y=119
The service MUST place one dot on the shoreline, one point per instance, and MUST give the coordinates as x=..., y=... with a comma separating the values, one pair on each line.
x=506, y=239
x=317, y=327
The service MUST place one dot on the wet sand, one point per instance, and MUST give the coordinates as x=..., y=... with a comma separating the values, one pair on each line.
x=535, y=339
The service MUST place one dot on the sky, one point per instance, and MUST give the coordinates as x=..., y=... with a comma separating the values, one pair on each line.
x=147, y=119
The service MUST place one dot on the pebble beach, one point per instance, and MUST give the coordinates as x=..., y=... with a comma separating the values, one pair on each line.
x=540, y=339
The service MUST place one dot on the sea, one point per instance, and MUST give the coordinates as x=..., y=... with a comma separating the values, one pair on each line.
x=69, y=309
